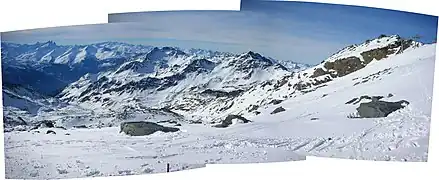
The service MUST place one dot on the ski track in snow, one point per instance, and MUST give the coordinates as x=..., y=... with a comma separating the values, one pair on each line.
x=105, y=152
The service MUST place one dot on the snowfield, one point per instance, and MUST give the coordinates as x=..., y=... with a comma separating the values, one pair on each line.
x=105, y=152
x=319, y=122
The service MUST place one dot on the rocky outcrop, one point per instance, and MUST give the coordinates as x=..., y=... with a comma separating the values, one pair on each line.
x=80, y=127
x=275, y=101
x=278, y=110
x=376, y=109
x=229, y=120
x=358, y=100
x=142, y=128
x=218, y=93
x=50, y=132
x=345, y=66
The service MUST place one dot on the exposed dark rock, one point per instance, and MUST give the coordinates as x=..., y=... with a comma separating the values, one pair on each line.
x=281, y=82
x=301, y=86
x=324, y=95
x=20, y=128
x=278, y=110
x=358, y=100
x=390, y=95
x=345, y=66
x=222, y=93
x=178, y=125
x=275, y=101
x=257, y=112
x=195, y=122
x=376, y=109
x=376, y=98
x=67, y=134
x=14, y=121
x=46, y=123
x=142, y=128
x=61, y=127
x=377, y=54
x=80, y=127
x=228, y=121
x=227, y=107
x=168, y=121
x=318, y=72
x=313, y=119
x=50, y=132
x=253, y=108
x=351, y=101
x=382, y=36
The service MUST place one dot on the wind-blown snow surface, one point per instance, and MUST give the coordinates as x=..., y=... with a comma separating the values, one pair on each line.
x=313, y=123
x=105, y=152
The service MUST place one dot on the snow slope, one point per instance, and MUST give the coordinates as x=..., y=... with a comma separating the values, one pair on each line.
x=105, y=152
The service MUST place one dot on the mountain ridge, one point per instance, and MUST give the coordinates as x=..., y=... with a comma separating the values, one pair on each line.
x=213, y=84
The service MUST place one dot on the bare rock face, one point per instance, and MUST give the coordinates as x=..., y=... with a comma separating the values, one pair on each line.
x=142, y=128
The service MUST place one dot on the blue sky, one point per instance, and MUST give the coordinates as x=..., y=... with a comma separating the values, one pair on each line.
x=301, y=32
x=347, y=23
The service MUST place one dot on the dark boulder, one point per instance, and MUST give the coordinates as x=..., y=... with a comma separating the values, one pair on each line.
x=142, y=128
x=229, y=120
x=50, y=132
x=278, y=110
x=376, y=109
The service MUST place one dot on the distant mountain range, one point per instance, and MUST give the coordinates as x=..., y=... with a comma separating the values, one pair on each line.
x=201, y=85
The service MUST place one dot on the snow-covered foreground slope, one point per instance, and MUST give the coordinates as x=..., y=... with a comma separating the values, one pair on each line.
x=105, y=152
x=317, y=124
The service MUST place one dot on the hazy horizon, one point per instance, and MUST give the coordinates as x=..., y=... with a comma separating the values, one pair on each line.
x=288, y=31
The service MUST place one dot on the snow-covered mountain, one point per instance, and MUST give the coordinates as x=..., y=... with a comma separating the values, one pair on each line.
x=159, y=82
x=93, y=74
x=310, y=111
x=201, y=85
x=49, y=52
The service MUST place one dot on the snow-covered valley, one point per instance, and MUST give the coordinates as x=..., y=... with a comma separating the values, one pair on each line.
x=285, y=113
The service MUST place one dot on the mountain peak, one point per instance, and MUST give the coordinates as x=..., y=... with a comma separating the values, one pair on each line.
x=251, y=54
x=47, y=44
x=159, y=53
